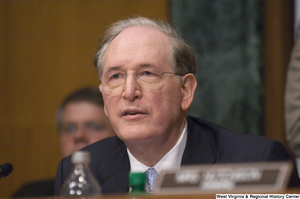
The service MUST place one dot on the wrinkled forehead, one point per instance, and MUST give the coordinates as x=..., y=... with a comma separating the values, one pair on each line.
x=138, y=42
x=136, y=34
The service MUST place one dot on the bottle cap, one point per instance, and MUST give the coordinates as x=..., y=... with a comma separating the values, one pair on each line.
x=81, y=157
x=137, y=178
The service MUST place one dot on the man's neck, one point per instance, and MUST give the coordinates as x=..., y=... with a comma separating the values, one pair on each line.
x=149, y=152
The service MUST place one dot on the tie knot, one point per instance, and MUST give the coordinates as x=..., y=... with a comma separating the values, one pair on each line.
x=151, y=178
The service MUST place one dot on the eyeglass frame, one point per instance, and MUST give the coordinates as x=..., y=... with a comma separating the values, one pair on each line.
x=86, y=127
x=137, y=77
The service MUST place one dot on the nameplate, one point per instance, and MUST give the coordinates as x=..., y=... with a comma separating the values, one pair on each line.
x=254, y=177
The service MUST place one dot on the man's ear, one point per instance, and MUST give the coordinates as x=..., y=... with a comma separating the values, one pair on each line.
x=100, y=88
x=105, y=110
x=188, y=87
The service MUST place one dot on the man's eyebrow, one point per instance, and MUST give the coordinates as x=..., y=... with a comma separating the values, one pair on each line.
x=113, y=68
x=145, y=65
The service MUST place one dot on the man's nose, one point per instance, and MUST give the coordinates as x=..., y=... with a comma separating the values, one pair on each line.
x=80, y=132
x=131, y=88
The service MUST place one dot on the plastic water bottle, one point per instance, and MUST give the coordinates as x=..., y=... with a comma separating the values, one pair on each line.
x=81, y=181
x=137, y=183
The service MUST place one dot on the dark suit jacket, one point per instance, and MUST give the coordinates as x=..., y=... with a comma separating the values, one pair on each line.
x=207, y=143
x=40, y=188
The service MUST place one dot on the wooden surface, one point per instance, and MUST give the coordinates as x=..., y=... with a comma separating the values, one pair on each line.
x=278, y=40
x=188, y=196
x=46, y=51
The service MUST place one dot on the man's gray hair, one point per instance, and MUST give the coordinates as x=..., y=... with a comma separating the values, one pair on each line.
x=182, y=56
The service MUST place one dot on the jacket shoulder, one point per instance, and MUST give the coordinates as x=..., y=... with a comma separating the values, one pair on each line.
x=229, y=146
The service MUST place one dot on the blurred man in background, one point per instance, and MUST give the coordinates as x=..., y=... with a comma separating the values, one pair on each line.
x=80, y=121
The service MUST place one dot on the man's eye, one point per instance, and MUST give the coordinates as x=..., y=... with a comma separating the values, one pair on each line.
x=95, y=127
x=71, y=128
x=147, y=73
x=117, y=76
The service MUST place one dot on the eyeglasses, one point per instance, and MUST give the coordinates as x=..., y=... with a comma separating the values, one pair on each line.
x=89, y=127
x=148, y=79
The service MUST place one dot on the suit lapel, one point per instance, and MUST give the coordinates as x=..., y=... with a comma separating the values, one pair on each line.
x=200, y=149
x=200, y=144
x=114, y=172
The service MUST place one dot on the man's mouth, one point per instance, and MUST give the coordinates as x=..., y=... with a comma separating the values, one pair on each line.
x=131, y=113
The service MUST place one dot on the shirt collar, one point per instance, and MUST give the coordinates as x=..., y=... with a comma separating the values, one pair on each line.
x=171, y=160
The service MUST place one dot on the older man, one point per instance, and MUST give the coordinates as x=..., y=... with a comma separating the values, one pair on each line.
x=147, y=81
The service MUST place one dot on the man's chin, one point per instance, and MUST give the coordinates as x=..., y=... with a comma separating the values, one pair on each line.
x=79, y=148
x=137, y=139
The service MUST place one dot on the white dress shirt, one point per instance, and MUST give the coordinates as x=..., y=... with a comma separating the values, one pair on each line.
x=172, y=159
